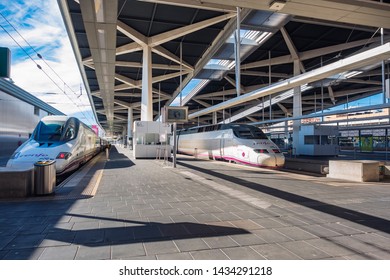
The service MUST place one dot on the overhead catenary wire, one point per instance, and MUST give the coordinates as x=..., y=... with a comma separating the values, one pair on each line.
x=40, y=67
x=38, y=54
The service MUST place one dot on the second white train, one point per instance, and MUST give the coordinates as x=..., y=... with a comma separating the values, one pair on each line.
x=241, y=143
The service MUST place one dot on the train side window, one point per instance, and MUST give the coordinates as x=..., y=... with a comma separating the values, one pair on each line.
x=211, y=128
x=244, y=132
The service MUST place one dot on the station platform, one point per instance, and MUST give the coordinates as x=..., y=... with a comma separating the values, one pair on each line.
x=202, y=210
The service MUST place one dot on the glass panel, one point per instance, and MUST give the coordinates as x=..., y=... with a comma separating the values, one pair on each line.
x=312, y=139
x=140, y=139
x=152, y=138
x=366, y=142
x=379, y=132
x=325, y=140
x=249, y=132
x=379, y=143
x=49, y=131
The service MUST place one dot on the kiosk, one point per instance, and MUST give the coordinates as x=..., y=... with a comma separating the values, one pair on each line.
x=318, y=140
x=149, y=138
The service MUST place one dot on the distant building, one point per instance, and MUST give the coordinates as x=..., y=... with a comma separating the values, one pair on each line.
x=366, y=130
x=19, y=114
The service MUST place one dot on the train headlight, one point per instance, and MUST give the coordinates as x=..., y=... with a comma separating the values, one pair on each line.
x=15, y=155
x=63, y=155
x=261, y=151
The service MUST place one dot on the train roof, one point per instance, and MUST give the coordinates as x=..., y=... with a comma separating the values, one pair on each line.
x=56, y=118
x=219, y=126
x=214, y=127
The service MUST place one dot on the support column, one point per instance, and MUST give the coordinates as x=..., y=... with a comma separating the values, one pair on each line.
x=124, y=135
x=297, y=111
x=215, y=118
x=147, y=95
x=237, y=42
x=130, y=127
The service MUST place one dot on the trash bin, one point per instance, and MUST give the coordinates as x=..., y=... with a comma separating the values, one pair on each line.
x=44, y=177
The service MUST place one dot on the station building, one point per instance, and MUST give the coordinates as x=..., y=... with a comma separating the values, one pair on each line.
x=20, y=112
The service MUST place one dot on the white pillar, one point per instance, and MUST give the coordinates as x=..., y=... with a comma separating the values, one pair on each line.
x=147, y=95
x=297, y=110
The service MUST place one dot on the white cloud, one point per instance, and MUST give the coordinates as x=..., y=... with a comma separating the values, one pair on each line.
x=40, y=24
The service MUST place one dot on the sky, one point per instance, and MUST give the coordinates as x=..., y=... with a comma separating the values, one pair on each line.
x=40, y=24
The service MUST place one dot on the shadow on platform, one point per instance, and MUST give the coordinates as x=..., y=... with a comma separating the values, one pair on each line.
x=335, y=210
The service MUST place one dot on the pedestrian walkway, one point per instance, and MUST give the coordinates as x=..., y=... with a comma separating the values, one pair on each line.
x=203, y=210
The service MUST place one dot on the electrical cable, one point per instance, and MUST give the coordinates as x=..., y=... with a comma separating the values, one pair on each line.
x=39, y=67
x=38, y=54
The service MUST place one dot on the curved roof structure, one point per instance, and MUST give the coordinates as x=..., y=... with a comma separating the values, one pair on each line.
x=191, y=48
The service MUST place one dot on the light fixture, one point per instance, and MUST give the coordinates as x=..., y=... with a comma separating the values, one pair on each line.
x=277, y=5
x=351, y=74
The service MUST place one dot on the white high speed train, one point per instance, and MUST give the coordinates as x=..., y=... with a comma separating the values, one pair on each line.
x=241, y=143
x=64, y=139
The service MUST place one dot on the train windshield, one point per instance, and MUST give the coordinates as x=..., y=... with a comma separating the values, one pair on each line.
x=249, y=132
x=49, y=131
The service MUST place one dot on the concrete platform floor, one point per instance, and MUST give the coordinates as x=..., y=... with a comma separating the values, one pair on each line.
x=203, y=210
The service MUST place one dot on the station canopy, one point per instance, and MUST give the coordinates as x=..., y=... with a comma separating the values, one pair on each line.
x=193, y=54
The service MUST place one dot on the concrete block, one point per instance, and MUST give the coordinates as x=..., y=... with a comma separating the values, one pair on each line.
x=16, y=182
x=354, y=170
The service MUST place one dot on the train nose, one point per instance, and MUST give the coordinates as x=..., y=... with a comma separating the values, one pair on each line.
x=279, y=160
x=20, y=165
x=270, y=160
